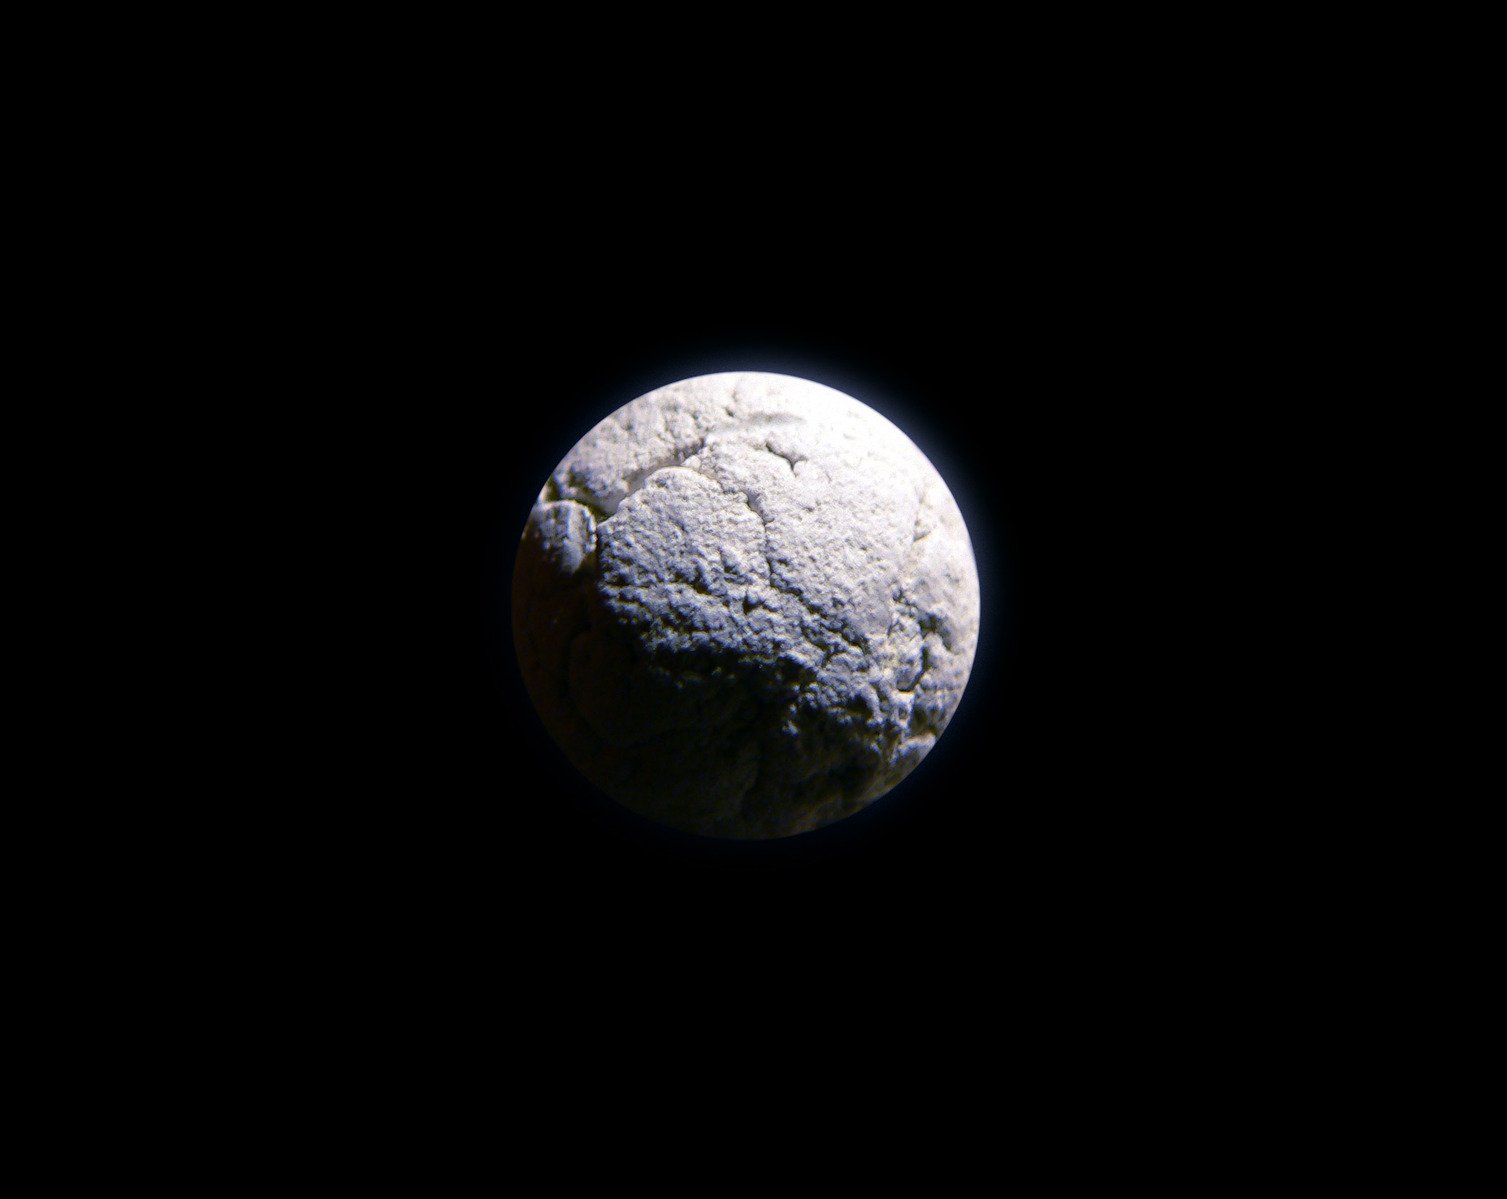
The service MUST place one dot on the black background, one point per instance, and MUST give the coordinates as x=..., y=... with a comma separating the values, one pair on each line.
x=1077, y=290
x=1063, y=363
x=1025, y=377
x=1042, y=282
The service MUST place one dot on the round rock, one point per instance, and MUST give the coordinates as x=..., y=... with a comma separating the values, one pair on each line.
x=745, y=605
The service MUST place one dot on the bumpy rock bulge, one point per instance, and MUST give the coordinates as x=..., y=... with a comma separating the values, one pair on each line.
x=745, y=605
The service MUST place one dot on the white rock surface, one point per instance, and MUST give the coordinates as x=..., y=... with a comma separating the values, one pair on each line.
x=745, y=605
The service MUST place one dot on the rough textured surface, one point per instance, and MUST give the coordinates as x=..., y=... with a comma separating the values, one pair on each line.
x=745, y=605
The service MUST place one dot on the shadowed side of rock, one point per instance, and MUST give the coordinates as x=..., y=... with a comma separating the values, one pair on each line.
x=713, y=743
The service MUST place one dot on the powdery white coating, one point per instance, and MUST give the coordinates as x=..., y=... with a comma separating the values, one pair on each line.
x=745, y=605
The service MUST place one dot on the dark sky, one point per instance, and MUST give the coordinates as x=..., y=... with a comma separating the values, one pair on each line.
x=1030, y=408
x=1054, y=370
x=1076, y=312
